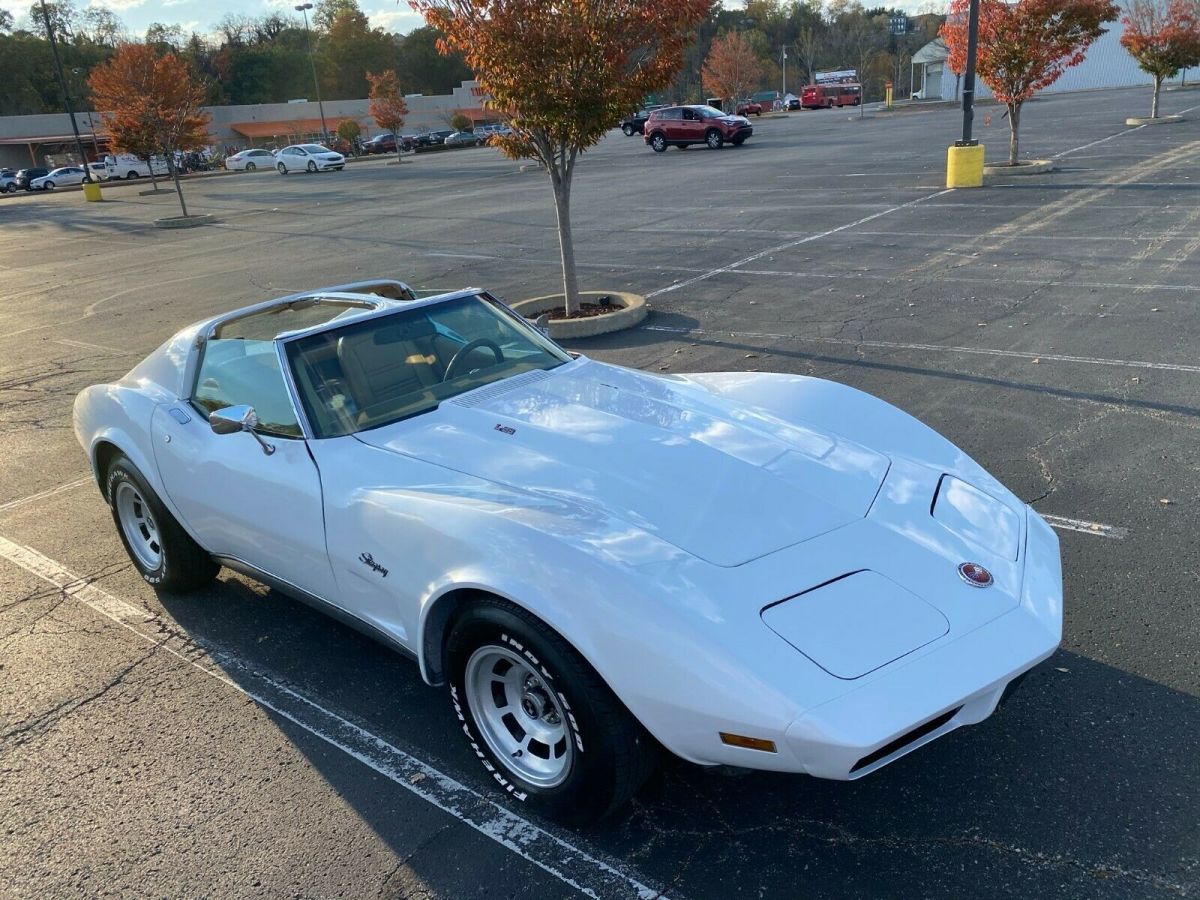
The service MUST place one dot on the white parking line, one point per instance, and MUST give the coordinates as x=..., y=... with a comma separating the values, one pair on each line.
x=1112, y=136
x=575, y=867
x=86, y=346
x=49, y=492
x=937, y=348
x=1096, y=529
x=778, y=248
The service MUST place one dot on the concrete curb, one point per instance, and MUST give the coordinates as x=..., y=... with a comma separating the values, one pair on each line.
x=633, y=312
x=1028, y=167
x=183, y=221
x=1151, y=120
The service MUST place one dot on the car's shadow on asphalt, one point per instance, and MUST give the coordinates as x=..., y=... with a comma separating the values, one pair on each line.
x=1083, y=784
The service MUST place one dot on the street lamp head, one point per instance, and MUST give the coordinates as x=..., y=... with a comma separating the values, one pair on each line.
x=303, y=6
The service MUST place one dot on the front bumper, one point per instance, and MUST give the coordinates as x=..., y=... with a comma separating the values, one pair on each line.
x=958, y=684
x=740, y=133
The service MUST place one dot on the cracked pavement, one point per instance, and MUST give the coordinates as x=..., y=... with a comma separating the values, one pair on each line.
x=127, y=771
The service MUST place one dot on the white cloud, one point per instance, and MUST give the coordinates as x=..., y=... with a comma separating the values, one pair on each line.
x=117, y=5
x=398, y=18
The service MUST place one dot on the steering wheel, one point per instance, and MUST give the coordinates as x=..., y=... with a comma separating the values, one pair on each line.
x=467, y=349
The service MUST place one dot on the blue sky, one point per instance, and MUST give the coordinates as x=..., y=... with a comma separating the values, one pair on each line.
x=203, y=15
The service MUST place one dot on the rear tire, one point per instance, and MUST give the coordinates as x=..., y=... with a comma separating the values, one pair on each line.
x=162, y=552
x=250, y=167
x=540, y=719
x=628, y=129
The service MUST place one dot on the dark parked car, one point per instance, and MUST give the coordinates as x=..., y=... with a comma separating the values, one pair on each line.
x=636, y=123
x=680, y=126
x=386, y=143
x=794, y=103
x=432, y=140
x=24, y=176
x=465, y=139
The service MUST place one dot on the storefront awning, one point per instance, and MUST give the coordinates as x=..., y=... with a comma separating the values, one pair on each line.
x=286, y=127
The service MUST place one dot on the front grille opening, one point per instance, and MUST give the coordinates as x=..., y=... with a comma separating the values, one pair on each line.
x=904, y=740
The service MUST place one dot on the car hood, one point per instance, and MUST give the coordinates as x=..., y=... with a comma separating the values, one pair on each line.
x=719, y=479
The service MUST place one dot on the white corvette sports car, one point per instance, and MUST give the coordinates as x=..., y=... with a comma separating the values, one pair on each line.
x=756, y=570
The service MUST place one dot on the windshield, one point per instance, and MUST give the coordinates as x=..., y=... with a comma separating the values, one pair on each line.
x=399, y=365
x=315, y=148
x=708, y=112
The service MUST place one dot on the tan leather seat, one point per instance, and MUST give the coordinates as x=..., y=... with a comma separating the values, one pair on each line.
x=383, y=366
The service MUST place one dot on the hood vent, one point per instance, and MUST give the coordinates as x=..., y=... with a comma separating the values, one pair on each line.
x=482, y=395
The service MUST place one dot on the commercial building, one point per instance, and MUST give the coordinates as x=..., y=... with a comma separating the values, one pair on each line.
x=1107, y=65
x=47, y=140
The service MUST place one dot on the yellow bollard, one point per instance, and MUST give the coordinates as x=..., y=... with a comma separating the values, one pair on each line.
x=964, y=166
x=91, y=191
x=889, y=95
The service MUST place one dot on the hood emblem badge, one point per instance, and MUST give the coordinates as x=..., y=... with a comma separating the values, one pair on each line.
x=975, y=575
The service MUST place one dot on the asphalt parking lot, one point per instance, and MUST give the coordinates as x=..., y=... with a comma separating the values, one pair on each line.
x=234, y=743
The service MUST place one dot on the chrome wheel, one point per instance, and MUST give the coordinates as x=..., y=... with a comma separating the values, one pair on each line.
x=250, y=167
x=137, y=522
x=519, y=716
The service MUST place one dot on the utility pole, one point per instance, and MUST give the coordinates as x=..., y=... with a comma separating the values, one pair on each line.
x=304, y=8
x=968, y=93
x=784, y=53
x=62, y=81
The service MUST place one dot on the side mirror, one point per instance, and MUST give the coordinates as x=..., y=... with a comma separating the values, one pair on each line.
x=233, y=419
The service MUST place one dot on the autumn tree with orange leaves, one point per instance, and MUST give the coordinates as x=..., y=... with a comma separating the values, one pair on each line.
x=564, y=72
x=154, y=105
x=387, y=106
x=731, y=69
x=1025, y=46
x=1163, y=36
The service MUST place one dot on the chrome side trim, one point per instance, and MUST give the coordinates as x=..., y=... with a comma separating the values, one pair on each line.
x=318, y=603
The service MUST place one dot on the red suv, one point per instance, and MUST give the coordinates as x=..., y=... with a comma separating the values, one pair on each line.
x=684, y=125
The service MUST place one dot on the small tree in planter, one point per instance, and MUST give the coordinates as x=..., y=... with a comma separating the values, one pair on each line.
x=154, y=105
x=459, y=122
x=1163, y=36
x=349, y=130
x=564, y=72
x=732, y=69
x=387, y=106
x=1025, y=46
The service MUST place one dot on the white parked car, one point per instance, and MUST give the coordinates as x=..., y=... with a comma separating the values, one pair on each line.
x=8, y=182
x=308, y=158
x=60, y=177
x=757, y=570
x=99, y=171
x=249, y=160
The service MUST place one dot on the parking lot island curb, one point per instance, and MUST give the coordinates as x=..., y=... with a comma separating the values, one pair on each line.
x=633, y=311
x=1027, y=167
x=964, y=166
x=1152, y=120
x=183, y=221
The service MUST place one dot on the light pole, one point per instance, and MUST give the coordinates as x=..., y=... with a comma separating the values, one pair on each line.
x=304, y=8
x=62, y=80
x=784, y=54
x=964, y=160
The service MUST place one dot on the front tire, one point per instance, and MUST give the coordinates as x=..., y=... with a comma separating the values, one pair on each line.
x=658, y=143
x=282, y=168
x=162, y=552
x=713, y=139
x=312, y=166
x=48, y=186
x=539, y=718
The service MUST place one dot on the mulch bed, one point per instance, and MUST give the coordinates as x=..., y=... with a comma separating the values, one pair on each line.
x=586, y=311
